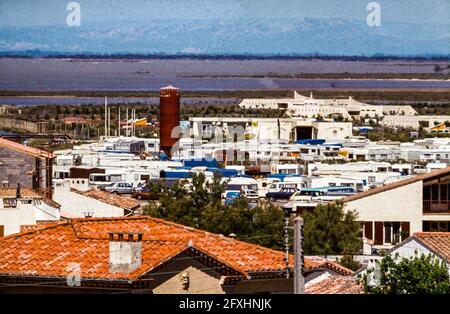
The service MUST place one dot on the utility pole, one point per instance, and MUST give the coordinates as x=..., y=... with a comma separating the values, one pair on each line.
x=299, y=280
x=286, y=240
x=134, y=121
x=119, y=121
x=109, y=121
x=106, y=116
x=126, y=129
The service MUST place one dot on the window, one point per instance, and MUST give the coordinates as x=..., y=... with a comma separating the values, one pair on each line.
x=206, y=130
x=9, y=203
x=392, y=232
x=436, y=226
x=387, y=232
x=443, y=192
x=395, y=232
x=145, y=177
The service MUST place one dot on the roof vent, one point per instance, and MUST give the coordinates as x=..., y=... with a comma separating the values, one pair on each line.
x=18, y=192
x=125, y=251
x=88, y=214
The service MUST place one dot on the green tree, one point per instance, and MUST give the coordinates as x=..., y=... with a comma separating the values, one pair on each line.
x=199, y=205
x=328, y=230
x=349, y=262
x=423, y=274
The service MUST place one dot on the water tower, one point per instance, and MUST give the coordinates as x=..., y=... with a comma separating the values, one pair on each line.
x=169, y=108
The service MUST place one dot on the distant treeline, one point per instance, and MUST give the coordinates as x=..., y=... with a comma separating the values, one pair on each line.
x=399, y=96
x=89, y=55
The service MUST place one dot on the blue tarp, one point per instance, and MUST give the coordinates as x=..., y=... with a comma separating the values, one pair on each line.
x=174, y=175
x=224, y=172
x=311, y=141
x=210, y=163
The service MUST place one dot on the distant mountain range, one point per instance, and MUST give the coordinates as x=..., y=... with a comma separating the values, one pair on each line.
x=256, y=37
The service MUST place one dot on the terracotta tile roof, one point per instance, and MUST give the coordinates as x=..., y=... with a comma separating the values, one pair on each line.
x=48, y=251
x=24, y=192
x=320, y=262
x=126, y=203
x=24, y=228
x=334, y=285
x=438, y=242
x=35, y=152
x=40, y=224
x=397, y=184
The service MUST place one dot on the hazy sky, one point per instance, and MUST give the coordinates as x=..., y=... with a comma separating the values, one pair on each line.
x=53, y=12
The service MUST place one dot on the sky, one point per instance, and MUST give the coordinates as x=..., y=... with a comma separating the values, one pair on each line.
x=53, y=12
x=408, y=27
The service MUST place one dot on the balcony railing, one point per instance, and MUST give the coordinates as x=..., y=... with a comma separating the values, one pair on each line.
x=436, y=206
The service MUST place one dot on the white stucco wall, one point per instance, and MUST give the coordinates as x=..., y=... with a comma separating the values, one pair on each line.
x=400, y=204
x=76, y=205
x=334, y=130
x=413, y=248
x=13, y=218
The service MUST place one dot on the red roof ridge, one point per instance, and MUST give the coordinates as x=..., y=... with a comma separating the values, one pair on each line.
x=38, y=228
x=338, y=267
x=430, y=233
x=107, y=198
x=171, y=223
x=29, y=150
x=221, y=236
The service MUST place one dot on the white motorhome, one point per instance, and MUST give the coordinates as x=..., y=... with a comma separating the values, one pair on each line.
x=237, y=184
x=264, y=185
x=277, y=186
x=286, y=169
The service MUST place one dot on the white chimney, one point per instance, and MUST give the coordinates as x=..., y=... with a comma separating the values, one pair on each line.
x=125, y=251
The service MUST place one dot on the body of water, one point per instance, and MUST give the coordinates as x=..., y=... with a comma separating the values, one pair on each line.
x=195, y=75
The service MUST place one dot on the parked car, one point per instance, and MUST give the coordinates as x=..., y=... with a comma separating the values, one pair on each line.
x=329, y=193
x=251, y=195
x=231, y=197
x=118, y=188
x=283, y=194
x=145, y=193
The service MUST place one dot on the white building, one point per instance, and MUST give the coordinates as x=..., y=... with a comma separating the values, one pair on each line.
x=310, y=107
x=435, y=244
x=24, y=208
x=413, y=121
x=390, y=213
x=287, y=129
x=92, y=203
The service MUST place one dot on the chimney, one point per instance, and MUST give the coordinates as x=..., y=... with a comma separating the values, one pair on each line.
x=18, y=194
x=125, y=251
